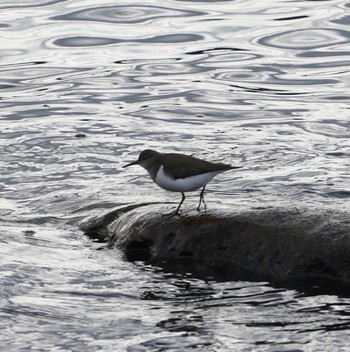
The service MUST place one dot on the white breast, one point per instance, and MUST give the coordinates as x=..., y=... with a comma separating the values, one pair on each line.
x=183, y=184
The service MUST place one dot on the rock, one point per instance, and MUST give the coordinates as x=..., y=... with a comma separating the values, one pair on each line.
x=273, y=243
x=80, y=135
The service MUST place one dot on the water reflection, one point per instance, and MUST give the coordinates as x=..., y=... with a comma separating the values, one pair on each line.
x=307, y=39
x=80, y=41
x=85, y=87
x=284, y=317
x=132, y=14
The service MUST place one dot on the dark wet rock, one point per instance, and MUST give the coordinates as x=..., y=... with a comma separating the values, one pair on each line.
x=80, y=135
x=276, y=243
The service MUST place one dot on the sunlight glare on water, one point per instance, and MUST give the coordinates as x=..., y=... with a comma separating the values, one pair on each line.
x=86, y=85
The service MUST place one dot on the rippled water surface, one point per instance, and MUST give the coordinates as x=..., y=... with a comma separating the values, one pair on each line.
x=86, y=85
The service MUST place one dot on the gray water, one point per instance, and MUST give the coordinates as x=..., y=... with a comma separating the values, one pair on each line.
x=86, y=85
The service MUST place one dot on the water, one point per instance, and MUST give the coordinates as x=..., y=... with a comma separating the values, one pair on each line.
x=85, y=86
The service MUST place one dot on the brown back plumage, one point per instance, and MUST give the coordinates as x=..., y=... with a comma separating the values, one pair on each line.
x=190, y=166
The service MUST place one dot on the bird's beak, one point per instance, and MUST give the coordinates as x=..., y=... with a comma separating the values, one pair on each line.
x=133, y=163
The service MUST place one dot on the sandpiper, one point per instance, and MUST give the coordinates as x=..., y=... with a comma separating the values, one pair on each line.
x=180, y=173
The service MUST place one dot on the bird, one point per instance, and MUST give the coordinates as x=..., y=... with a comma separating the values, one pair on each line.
x=179, y=172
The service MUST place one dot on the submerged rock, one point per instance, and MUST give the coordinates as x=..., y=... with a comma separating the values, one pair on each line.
x=262, y=243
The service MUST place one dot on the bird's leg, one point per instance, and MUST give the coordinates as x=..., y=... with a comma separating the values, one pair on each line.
x=176, y=212
x=179, y=206
x=201, y=199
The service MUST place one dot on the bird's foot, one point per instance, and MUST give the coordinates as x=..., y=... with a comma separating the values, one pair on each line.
x=171, y=215
x=199, y=207
x=202, y=212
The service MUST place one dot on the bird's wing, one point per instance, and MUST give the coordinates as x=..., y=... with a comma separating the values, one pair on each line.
x=190, y=166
